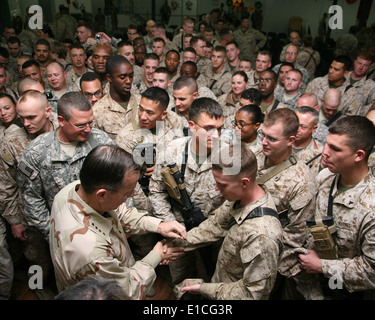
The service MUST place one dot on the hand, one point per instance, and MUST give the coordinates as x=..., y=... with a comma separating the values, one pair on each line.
x=90, y=42
x=194, y=289
x=311, y=262
x=19, y=232
x=167, y=252
x=149, y=171
x=172, y=229
x=104, y=38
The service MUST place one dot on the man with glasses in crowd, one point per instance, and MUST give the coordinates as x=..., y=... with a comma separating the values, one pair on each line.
x=91, y=87
x=292, y=187
x=53, y=160
x=205, y=123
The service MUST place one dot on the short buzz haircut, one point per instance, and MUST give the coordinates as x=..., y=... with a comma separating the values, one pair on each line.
x=232, y=42
x=157, y=94
x=105, y=167
x=159, y=40
x=265, y=53
x=58, y=63
x=346, y=60
x=113, y=62
x=89, y=77
x=190, y=49
x=163, y=70
x=205, y=105
x=227, y=159
x=43, y=42
x=72, y=100
x=124, y=43
x=194, y=40
x=151, y=56
x=286, y=117
x=76, y=45
x=220, y=49
x=25, y=82
x=274, y=75
x=297, y=71
x=253, y=95
x=185, y=81
x=359, y=130
x=311, y=111
x=173, y=51
x=34, y=94
x=190, y=63
x=14, y=40
x=30, y=63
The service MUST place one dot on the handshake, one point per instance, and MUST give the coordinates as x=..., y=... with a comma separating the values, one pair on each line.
x=166, y=250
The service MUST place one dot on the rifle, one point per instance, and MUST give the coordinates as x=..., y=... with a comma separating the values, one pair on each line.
x=179, y=198
x=144, y=154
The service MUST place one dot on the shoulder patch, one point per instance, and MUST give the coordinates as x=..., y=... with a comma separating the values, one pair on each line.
x=25, y=169
x=7, y=157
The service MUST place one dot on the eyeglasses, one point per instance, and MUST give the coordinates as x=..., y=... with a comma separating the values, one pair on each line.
x=82, y=126
x=210, y=130
x=268, y=138
x=241, y=125
x=97, y=94
x=291, y=53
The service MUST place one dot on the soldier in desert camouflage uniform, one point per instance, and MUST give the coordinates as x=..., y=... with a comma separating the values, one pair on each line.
x=115, y=110
x=205, y=122
x=348, y=179
x=96, y=203
x=262, y=63
x=48, y=165
x=292, y=187
x=307, y=148
x=218, y=79
x=153, y=124
x=336, y=79
x=364, y=88
x=248, y=259
x=249, y=40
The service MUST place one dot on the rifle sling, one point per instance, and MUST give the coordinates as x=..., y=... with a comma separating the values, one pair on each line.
x=255, y=213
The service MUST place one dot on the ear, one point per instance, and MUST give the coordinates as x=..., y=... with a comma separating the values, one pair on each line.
x=108, y=78
x=346, y=73
x=360, y=155
x=314, y=128
x=191, y=125
x=245, y=182
x=100, y=195
x=195, y=95
x=291, y=140
x=163, y=115
x=60, y=119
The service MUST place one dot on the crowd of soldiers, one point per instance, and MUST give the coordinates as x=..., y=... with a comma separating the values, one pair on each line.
x=75, y=105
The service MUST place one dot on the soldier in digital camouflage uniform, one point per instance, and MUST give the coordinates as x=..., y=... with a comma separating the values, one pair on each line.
x=345, y=157
x=47, y=165
x=32, y=105
x=248, y=259
x=291, y=57
x=115, y=110
x=89, y=236
x=199, y=182
x=292, y=188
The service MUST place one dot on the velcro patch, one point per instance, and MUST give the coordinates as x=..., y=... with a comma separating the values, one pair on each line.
x=25, y=169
